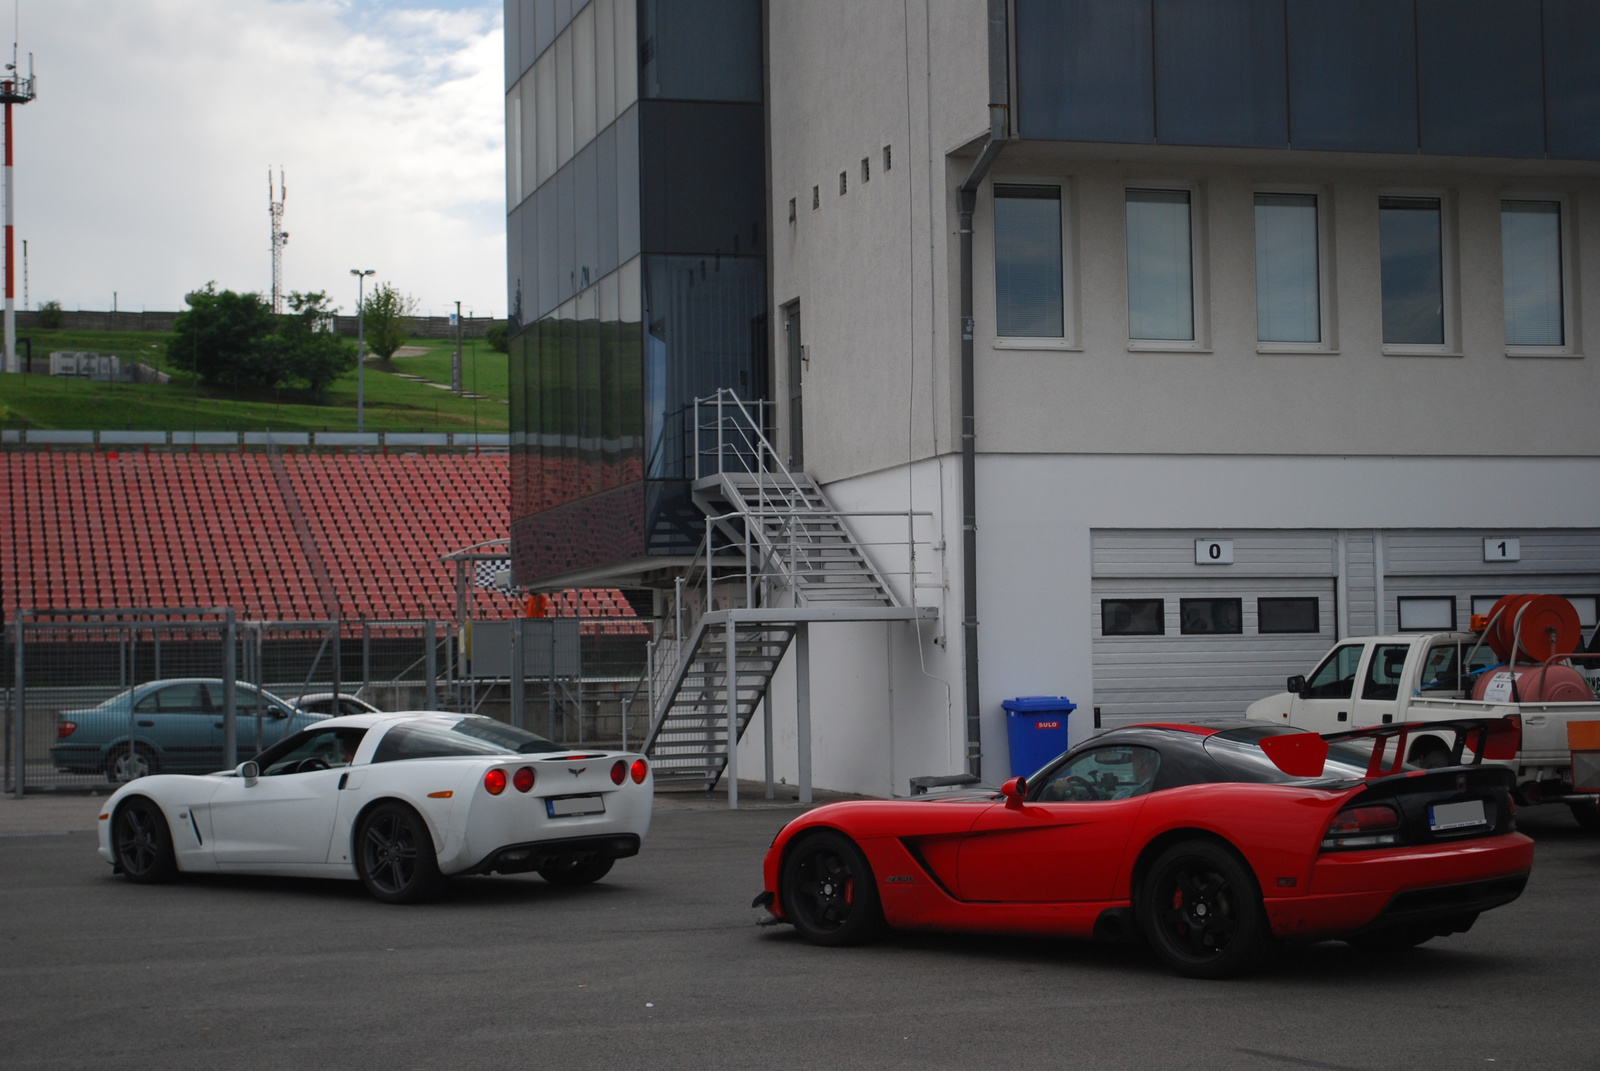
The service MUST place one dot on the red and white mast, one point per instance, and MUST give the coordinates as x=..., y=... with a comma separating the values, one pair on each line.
x=14, y=89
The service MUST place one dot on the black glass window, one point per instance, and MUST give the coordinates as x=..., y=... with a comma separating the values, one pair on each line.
x=1083, y=70
x=1287, y=615
x=1480, y=77
x=1352, y=75
x=700, y=49
x=1027, y=260
x=1219, y=73
x=1572, y=78
x=704, y=177
x=1210, y=616
x=1132, y=617
x=1411, y=241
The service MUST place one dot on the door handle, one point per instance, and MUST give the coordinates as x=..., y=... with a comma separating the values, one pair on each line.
x=342, y=779
x=1344, y=715
x=1387, y=718
x=220, y=724
x=147, y=724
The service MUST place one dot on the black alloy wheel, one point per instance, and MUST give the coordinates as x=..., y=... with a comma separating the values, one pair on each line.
x=394, y=855
x=828, y=891
x=1201, y=910
x=142, y=843
x=577, y=870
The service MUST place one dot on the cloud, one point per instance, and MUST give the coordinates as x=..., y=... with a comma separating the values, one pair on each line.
x=141, y=167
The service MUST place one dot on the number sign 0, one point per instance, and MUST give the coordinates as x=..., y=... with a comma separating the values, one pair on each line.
x=1213, y=552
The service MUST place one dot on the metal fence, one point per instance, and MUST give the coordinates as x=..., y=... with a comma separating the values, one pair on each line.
x=96, y=697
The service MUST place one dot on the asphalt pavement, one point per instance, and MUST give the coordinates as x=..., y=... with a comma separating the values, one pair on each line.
x=661, y=965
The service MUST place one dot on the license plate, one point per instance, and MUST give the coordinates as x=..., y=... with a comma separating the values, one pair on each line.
x=567, y=806
x=1443, y=816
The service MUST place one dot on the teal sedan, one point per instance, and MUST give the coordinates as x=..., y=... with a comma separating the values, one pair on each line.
x=170, y=726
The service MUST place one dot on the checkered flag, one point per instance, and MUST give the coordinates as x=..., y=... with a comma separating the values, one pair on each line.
x=494, y=574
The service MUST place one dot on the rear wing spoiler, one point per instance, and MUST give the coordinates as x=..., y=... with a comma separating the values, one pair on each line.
x=1305, y=754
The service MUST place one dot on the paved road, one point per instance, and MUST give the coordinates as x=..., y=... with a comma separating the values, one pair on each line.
x=661, y=966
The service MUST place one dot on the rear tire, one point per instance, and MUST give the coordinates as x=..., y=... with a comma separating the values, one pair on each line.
x=577, y=871
x=395, y=857
x=1200, y=909
x=142, y=843
x=1587, y=816
x=1429, y=753
x=123, y=766
x=828, y=891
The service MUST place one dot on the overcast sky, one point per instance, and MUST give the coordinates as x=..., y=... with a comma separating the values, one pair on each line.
x=141, y=168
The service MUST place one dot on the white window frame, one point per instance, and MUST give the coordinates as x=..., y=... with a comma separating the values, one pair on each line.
x=1198, y=280
x=1071, y=339
x=1570, y=294
x=1449, y=274
x=1326, y=300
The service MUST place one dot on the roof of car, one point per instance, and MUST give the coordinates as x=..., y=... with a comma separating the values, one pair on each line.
x=368, y=719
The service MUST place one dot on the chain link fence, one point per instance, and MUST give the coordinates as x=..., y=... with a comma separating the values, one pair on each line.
x=94, y=698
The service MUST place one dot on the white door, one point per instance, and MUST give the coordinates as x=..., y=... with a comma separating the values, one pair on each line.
x=1378, y=700
x=287, y=816
x=1325, y=704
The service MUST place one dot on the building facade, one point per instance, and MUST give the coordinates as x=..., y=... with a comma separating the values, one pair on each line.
x=1270, y=328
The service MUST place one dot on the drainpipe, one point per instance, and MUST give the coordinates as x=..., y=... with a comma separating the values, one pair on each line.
x=966, y=201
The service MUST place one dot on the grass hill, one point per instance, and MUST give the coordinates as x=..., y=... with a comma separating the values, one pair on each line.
x=399, y=397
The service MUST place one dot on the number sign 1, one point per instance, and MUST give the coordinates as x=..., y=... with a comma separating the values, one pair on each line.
x=1213, y=552
x=1497, y=549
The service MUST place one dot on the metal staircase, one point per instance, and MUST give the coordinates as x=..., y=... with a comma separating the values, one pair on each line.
x=772, y=536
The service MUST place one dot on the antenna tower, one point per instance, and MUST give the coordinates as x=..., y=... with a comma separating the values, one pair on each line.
x=280, y=237
x=14, y=89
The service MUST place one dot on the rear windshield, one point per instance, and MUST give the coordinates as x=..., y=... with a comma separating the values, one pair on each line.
x=1239, y=752
x=469, y=736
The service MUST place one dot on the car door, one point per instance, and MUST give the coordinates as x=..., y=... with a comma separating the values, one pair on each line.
x=287, y=815
x=1324, y=704
x=1065, y=844
x=1379, y=699
x=178, y=721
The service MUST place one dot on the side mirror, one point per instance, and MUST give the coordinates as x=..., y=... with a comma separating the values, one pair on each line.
x=1296, y=685
x=1015, y=791
x=250, y=771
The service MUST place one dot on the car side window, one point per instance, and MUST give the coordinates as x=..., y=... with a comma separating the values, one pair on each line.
x=1383, y=671
x=1439, y=672
x=1336, y=677
x=319, y=749
x=183, y=699
x=1102, y=773
x=150, y=703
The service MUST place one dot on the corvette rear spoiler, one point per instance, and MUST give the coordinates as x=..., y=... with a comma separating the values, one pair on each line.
x=1305, y=754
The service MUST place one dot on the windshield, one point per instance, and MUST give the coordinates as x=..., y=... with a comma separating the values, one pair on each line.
x=1239, y=752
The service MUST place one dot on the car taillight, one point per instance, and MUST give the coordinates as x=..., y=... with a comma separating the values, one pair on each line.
x=1367, y=826
x=619, y=772
x=523, y=779
x=639, y=771
x=495, y=781
x=65, y=729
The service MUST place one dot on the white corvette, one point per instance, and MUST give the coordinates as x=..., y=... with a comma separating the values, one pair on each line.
x=399, y=801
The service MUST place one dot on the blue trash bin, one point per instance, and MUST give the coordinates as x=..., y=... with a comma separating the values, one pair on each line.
x=1036, y=726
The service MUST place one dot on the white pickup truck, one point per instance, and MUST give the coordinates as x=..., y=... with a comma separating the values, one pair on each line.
x=1379, y=680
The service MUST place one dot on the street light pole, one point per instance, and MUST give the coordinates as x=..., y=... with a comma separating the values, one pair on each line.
x=361, y=345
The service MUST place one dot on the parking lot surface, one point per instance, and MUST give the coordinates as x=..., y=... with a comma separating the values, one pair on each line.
x=661, y=965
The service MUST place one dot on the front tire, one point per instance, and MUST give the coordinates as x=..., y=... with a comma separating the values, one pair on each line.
x=1587, y=816
x=828, y=891
x=124, y=765
x=142, y=843
x=394, y=855
x=1200, y=909
x=576, y=871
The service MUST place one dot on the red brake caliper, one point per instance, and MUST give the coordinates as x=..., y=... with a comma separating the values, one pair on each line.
x=849, y=891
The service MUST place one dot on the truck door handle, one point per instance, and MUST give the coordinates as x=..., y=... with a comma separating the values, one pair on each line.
x=147, y=724
x=1344, y=715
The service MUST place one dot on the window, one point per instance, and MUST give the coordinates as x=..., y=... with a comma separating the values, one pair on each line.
x=1106, y=773
x=1200, y=617
x=1288, y=276
x=1411, y=239
x=1530, y=253
x=1336, y=677
x=1132, y=617
x=866, y=169
x=307, y=752
x=190, y=698
x=1383, y=672
x=1288, y=615
x=1027, y=262
x=888, y=158
x=469, y=736
x=1431, y=614
x=1160, y=266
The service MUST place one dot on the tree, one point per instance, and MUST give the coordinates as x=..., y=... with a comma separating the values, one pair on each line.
x=227, y=340
x=50, y=315
x=309, y=351
x=498, y=337
x=388, y=319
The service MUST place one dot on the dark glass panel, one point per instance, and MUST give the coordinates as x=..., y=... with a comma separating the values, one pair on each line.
x=628, y=200
x=1083, y=70
x=1132, y=617
x=586, y=216
x=1412, y=253
x=702, y=315
x=570, y=476
x=514, y=225
x=599, y=530
x=1352, y=75
x=700, y=49
x=610, y=402
x=704, y=177
x=1027, y=260
x=516, y=379
x=589, y=397
x=567, y=234
x=1219, y=73
x=513, y=40
x=606, y=190
x=1480, y=77
x=549, y=260
x=1572, y=78
x=562, y=14
x=1209, y=617
x=1288, y=615
x=528, y=268
x=531, y=31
